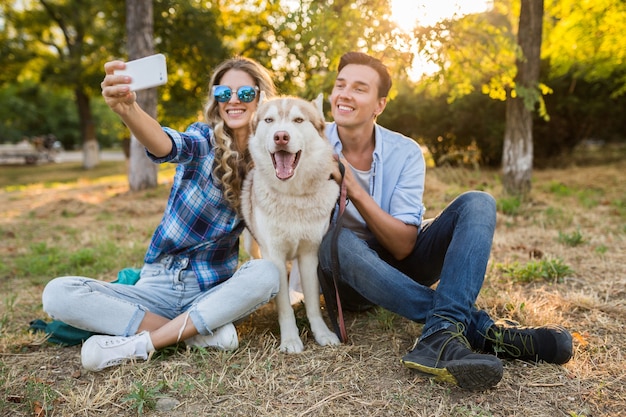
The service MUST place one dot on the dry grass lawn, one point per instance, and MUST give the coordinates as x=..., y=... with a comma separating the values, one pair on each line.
x=576, y=218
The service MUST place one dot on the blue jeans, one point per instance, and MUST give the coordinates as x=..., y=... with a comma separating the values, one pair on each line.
x=452, y=250
x=167, y=288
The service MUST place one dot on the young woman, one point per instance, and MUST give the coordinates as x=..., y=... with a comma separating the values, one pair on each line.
x=190, y=288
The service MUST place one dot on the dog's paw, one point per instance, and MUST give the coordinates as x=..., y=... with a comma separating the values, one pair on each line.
x=292, y=345
x=327, y=338
x=323, y=335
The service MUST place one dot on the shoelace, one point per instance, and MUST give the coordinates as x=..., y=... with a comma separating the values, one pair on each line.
x=114, y=342
x=458, y=334
x=512, y=349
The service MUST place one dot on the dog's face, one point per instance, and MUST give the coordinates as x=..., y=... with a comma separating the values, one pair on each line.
x=286, y=131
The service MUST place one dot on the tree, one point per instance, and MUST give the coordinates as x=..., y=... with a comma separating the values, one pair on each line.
x=475, y=55
x=325, y=30
x=63, y=44
x=302, y=41
x=585, y=39
x=142, y=172
x=191, y=35
x=517, y=157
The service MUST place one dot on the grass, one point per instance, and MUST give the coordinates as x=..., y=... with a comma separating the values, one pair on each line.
x=571, y=239
x=143, y=398
x=543, y=270
x=16, y=177
x=556, y=258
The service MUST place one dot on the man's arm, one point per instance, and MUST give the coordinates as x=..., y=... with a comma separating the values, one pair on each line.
x=394, y=235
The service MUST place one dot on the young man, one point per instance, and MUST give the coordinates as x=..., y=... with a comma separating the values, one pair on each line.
x=389, y=257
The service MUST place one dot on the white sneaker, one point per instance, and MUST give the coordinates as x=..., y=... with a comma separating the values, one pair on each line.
x=99, y=352
x=223, y=338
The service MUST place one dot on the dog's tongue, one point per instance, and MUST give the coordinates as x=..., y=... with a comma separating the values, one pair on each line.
x=284, y=164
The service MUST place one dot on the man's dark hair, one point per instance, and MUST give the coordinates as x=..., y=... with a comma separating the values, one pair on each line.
x=360, y=58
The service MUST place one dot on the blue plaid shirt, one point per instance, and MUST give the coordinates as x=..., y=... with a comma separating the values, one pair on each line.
x=198, y=223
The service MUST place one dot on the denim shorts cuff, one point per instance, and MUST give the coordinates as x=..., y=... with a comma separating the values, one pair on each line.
x=198, y=323
x=135, y=321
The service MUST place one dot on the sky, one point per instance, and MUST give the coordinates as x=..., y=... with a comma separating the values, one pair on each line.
x=426, y=12
x=408, y=13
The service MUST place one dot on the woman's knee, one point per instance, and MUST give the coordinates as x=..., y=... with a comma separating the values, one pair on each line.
x=60, y=293
x=54, y=295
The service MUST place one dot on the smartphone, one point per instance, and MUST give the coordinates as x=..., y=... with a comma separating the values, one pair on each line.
x=147, y=72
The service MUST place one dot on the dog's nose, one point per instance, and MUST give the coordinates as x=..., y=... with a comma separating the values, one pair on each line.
x=281, y=138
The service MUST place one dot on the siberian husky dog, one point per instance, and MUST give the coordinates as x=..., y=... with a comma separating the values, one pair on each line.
x=287, y=200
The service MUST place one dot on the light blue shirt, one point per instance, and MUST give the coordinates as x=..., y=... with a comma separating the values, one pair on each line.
x=397, y=173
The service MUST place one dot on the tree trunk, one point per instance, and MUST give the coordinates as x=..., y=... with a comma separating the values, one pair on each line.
x=142, y=172
x=91, y=155
x=517, y=156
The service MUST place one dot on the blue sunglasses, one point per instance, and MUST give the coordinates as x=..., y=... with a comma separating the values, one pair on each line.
x=223, y=93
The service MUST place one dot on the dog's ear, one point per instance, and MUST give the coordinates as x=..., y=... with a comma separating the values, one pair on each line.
x=262, y=97
x=320, y=123
x=319, y=103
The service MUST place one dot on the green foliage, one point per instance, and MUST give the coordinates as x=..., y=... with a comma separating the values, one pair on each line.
x=50, y=56
x=66, y=40
x=40, y=396
x=590, y=198
x=556, y=216
x=308, y=41
x=571, y=239
x=385, y=318
x=192, y=37
x=31, y=109
x=593, y=27
x=536, y=270
x=143, y=398
x=509, y=205
x=472, y=123
x=515, y=309
x=3, y=376
x=8, y=311
x=477, y=53
x=49, y=260
x=4, y=268
x=12, y=179
x=601, y=250
x=184, y=386
x=468, y=59
x=559, y=189
x=577, y=115
x=620, y=206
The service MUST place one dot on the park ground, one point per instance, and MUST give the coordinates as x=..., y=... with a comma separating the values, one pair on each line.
x=557, y=258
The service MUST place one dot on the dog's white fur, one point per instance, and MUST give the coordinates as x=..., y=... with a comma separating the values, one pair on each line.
x=288, y=217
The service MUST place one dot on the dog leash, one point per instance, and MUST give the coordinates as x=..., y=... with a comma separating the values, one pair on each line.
x=338, y=321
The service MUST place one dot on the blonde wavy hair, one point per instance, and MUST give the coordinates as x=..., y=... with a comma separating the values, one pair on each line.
x=232, y=164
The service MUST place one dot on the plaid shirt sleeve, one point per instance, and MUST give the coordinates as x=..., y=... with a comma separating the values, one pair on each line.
x=197, y=222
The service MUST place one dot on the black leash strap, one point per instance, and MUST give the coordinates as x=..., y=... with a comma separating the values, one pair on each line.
x=331, y=295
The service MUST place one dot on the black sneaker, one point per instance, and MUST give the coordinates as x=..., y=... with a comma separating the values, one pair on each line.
x=446, y=355
x=551, y=343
